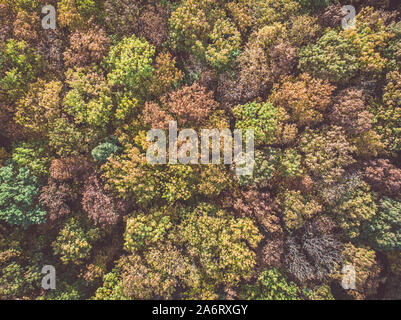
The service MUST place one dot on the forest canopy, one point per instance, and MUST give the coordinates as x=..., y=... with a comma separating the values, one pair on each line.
x=76, y=189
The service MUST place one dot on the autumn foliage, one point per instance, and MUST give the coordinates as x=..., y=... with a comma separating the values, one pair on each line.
x=77, y=191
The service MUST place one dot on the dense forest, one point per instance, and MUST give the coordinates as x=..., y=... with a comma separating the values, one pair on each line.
x=77, y=192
